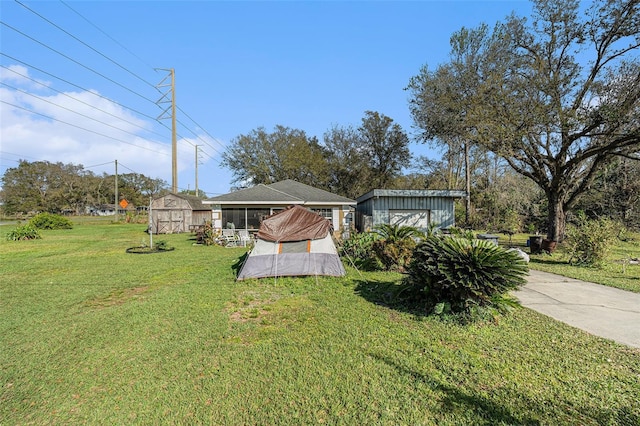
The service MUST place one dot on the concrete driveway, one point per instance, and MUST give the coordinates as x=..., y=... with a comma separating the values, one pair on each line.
x=603, y=311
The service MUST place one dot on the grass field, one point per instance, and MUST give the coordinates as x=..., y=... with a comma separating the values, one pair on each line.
x=617, y=271
x=92, y=335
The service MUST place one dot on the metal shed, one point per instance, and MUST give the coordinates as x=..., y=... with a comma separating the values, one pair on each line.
x=410, y=207
x=175, y=213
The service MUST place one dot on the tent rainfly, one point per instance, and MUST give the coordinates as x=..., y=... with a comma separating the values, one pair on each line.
x=293, y=242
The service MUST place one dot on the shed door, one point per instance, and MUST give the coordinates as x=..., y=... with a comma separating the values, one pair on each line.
x=170, y=221
x=417, y=218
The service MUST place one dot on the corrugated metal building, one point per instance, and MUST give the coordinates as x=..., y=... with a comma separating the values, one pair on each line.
x=410, y=207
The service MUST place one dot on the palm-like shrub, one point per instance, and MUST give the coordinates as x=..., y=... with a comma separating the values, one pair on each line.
x=24, y=232
x=461, y=276
x=395, y=245
x=359, y=249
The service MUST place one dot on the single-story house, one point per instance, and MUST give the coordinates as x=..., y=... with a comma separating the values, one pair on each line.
x=108, y=210
x=175, y=213
x=245, y=209
x=419, y=208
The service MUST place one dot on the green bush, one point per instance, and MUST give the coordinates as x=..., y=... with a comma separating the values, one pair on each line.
x=395, y=245
x=358, y=248
x=452, y=275
x=50, y=221
x=207, y=235
x=589, y=241
x=24, y=232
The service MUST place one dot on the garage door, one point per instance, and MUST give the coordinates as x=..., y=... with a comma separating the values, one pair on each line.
x=417, y=218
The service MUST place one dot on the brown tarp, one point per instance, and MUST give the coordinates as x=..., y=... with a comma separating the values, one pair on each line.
x=296, y=223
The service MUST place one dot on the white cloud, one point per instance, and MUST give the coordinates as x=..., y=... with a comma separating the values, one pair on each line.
x=19, y=75
x=77, y=127
x=81, y=127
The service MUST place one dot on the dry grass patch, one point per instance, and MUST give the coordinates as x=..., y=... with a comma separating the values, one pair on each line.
x=118, y=297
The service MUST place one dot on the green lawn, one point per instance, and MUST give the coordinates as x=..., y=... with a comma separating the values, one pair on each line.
x=91, y=334
x=617, y=271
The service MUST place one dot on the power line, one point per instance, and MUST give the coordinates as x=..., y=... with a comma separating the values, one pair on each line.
x=86, y=103
x=81, y=128
x=119, y=65
x=197, y=135
x=74, y=98
x=128, y=168
x=77, y=100
x=207, y=133
x=75, y=112
x=76, y=62
x=107, y=35
x=98, y=165
x=85, y=44
x=77, y=86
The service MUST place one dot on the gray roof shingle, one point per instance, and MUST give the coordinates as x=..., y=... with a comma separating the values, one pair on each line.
x=283, y=192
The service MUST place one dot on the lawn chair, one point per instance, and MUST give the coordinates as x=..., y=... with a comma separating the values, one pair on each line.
x=243, y=237
x=229, y=238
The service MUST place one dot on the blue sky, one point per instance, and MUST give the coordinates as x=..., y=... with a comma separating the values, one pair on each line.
x=78, y=77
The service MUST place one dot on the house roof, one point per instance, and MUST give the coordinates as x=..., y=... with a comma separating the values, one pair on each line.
x=309, y=193
x=286, y=192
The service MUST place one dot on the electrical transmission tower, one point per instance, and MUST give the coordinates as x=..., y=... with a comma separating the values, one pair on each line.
x=169, y=97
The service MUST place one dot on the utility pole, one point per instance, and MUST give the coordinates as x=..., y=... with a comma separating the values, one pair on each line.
x=197, y=170
x=116, y=191
x=170, y=97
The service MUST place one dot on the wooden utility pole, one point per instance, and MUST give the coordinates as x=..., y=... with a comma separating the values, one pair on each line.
x=197, y=170
x=170, y=97
x=116, y=191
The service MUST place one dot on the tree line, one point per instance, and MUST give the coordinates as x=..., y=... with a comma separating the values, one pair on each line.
x=42, y=186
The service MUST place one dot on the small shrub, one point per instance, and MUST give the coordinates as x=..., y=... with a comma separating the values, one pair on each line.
x=465, y=277
x=207, y=235
x=50, y=221
x=394, y=248
x=589, y=241
x=394, y=255
x=24, y=232
x=359, y=249
x=467, y=234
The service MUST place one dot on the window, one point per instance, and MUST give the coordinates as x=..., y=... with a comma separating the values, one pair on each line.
x=326, y=213
x=242, y=218
x=255, y=217
x=233, y=218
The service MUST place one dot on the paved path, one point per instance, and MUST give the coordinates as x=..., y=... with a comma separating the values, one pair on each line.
x=604, y=311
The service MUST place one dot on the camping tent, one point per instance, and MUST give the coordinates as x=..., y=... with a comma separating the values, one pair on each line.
x=295, y=241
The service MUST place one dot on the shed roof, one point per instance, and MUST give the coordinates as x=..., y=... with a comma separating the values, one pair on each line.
x=444, y=193
x=194, y=202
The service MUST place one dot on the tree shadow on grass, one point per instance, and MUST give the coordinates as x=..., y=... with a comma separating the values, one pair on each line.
x=456, y=399
x=547, y=261
x=390, y=294
x=488, y=411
